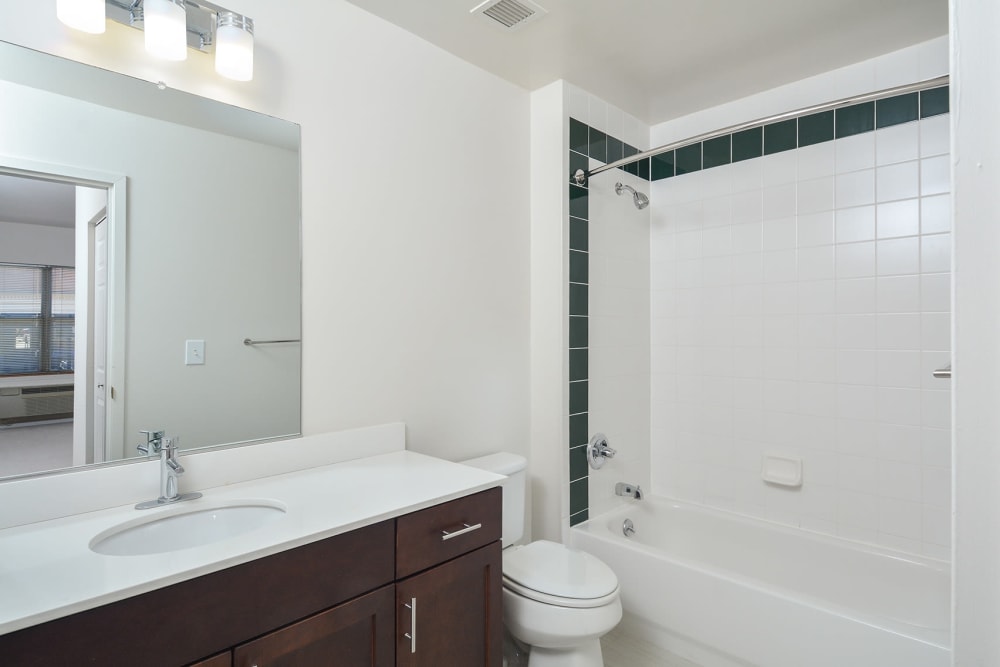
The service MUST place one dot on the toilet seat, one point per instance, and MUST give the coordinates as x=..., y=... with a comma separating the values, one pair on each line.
x=552, y=573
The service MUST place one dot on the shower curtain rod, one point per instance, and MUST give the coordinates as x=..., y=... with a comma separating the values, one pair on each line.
x=581, y=176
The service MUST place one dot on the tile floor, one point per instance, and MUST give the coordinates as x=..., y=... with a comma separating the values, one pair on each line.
x=621, y=650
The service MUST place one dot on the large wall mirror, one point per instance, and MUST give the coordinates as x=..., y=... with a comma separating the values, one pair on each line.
x=145, y=236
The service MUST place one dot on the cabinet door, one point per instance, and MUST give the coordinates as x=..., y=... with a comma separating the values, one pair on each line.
x=451, y=614
x=221, y=660
x=358, y=633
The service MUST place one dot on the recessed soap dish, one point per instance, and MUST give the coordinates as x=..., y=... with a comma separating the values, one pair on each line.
x=781, y=470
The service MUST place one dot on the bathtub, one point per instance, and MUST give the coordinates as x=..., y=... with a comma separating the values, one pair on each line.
x=726, y=590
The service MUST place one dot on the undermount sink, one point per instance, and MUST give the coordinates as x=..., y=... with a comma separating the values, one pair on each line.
x=186, y=528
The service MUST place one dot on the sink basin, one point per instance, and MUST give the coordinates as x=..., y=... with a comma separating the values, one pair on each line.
x=185, y=528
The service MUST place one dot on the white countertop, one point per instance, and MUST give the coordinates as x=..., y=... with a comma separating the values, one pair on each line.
x=47, y=569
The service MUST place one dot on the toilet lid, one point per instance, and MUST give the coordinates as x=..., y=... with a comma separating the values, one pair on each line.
x=556, y=570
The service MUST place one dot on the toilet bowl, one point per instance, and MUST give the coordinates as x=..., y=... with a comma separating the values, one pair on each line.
x=557, y=600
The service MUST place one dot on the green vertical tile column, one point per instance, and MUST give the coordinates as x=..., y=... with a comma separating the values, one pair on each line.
x=585, y=143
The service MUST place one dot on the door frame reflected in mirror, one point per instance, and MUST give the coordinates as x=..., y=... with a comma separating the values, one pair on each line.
x=86, y=431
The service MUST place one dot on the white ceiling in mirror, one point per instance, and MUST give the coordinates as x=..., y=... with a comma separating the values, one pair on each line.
x=660, y=59
x=29, y=201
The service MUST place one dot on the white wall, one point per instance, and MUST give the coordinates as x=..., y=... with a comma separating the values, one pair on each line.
x=415, y=214
x=975, y=97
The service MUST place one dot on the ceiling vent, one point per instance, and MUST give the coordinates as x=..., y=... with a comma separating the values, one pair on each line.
x=510, y=14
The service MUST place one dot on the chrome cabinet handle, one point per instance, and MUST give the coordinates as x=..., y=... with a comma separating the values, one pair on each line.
x=412, y=634
x=445, y=535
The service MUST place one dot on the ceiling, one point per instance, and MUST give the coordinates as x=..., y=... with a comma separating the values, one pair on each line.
x=660, y=59
x=31, y=201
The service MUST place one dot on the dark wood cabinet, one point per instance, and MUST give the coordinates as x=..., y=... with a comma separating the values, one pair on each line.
x=358, y=633
x=331, y=602
x=458, y=618
x=221, y=660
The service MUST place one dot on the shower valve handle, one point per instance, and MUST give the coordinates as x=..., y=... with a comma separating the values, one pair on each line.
x=598, y=451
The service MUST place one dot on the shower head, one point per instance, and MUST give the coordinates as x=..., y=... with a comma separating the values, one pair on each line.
x=641, y=201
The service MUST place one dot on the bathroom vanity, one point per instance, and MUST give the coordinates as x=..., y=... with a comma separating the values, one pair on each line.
x=416, y=585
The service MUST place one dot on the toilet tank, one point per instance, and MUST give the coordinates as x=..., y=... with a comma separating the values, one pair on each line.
x=514, y=467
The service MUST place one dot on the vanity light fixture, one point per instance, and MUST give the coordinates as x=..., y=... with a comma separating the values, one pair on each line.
x=165, y=25
x=234, y=46
x=173, y=26
x=85, y=15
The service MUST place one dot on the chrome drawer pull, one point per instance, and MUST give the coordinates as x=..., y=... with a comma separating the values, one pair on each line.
x=412, y=634
x=445, y=535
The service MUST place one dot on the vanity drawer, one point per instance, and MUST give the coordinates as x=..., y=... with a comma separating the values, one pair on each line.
x=443, y=532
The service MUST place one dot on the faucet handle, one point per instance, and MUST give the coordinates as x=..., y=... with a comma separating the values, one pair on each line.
x=153, y=440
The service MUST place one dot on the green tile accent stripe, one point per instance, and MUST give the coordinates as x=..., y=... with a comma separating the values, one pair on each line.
x=815, y=128
x=782, y=136
x=934, y=102
x=767, y=139
x=896, y=110
x=855, y=119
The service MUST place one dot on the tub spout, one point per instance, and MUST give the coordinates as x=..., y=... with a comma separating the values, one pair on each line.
x=627, y=490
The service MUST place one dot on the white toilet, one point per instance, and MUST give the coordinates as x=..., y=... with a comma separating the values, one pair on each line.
x=558, y=600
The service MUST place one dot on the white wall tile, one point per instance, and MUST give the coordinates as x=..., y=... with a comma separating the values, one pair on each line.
x=898, y=256
x=897, y=144
x=855, y=153
x=935, y=214
x=779, y=202
x=855, y=224
x=855, y=188
x=815, y=195
x=899, y=368
x=857, y=295
x=816, y=161
x=898, y=218
x=857, y=332
x=899, y=406
x=900, y=480
x=935, y=253
x=899, y=294
x=816, y=263
x=815, y=229
x=857, y=367
x=935, y=135
x=803, y=316
x=901, y=518
x=856, y=260
x=897, y=181
x=897, y=442
x=935, y=292
x=935, y=176
x=779, y=233
x=899, y=331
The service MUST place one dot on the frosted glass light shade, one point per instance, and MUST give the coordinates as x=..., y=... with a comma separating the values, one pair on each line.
x=165, y=25
x=85, y=15
x=234, y=47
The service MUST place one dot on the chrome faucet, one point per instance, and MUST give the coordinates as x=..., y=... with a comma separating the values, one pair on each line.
x=628, y=490
x=170, y=469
